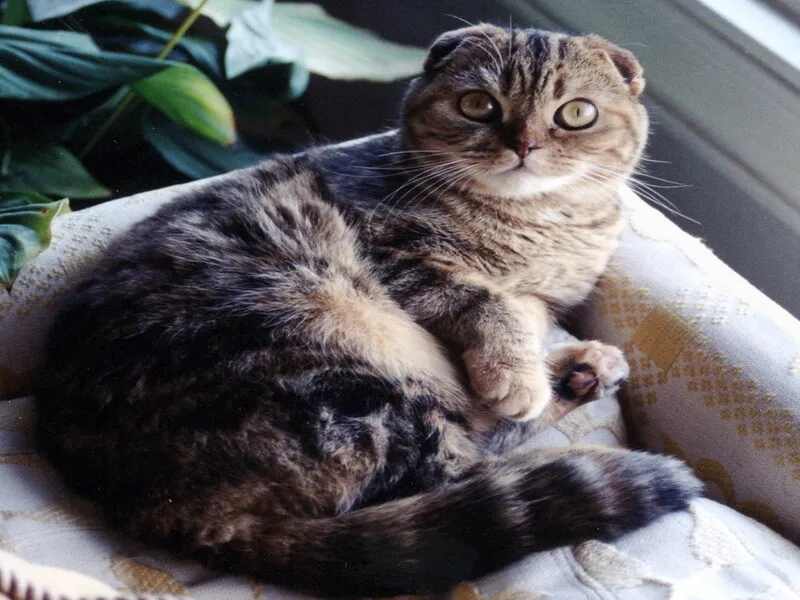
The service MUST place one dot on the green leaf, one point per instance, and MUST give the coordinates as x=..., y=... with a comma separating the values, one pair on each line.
x=190, y=98
x=254, y=43
x=222, y=11
x=340, y=51
x=49, y=9
x=191, y=154
x=160, y=13
x=5, y=148
x=24, y=230
x=38, y=65
x=131, y=35
x=16, y=13
x=56, y=39
x=50, y=169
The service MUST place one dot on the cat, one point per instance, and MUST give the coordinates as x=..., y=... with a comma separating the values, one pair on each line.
x=318, y=371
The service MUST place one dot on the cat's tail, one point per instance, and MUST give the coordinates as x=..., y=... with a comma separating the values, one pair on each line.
x=496, y=513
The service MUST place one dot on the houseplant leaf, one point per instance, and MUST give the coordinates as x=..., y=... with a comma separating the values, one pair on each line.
x=49, y=9
x=253, y=43
x=39, y=65
x=223, y=11
x=190, y=98
x=16, y=13
x=24, y=230
x=123, y=34
x=340, y=51
x=191, y=154
x=50, y=169
x=68, y=39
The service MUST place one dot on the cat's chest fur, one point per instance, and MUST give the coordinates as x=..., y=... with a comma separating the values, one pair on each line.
x=556, y=253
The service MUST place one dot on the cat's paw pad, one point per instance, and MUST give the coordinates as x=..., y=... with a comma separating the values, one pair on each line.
x=588, y=368
x=514, y=389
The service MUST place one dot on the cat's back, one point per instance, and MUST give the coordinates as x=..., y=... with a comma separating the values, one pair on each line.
x=196, y=282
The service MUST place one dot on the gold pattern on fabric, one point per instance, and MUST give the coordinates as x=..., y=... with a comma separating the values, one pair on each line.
x=141, y=579
x=712, y=471
x=469, y=591
x=71, y=511
x=662, y=336
x=622, y=302
x=671, y=357
x=736, y=398
x=258, y=591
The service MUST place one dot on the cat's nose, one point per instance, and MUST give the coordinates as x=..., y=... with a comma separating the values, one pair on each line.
x=523, y=146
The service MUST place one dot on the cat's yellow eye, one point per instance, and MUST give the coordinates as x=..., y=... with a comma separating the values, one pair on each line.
x=576, y=114
x=479, y=106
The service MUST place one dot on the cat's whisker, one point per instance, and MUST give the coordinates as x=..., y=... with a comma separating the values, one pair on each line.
x=475, y=44
x=463, y=20
x=400, y=169
x=395, y=163
x=637, y=173
x=453, y=180
x=441, y=178
x=655, y=160
x=486, y=35
x=403, y=169
x=646, y=192
x=456, y=183
x=644, y=189
x=496, y=49
x=417, y=180
x=672, y=184
x=398, y=152
x=443, y=174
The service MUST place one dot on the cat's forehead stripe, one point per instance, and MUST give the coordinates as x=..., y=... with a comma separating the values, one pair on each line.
x=531, y=68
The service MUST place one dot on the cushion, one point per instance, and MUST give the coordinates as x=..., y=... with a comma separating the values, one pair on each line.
x=715, y=366
x=709, y=548
x=709, y=552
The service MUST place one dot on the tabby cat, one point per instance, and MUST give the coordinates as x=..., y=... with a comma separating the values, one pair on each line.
x=315, y=371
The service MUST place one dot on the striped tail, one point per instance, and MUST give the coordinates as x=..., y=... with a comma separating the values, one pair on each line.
x=496, y=513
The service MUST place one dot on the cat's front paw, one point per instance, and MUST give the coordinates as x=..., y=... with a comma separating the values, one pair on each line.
x=513, y=388
x=584, y=370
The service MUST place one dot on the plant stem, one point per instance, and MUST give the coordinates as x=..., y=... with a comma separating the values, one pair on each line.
x=187, y=23
x=5, y=149
x=130, y=96
x=112, y=118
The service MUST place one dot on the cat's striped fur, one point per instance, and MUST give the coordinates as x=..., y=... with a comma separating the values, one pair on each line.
x=306, y=371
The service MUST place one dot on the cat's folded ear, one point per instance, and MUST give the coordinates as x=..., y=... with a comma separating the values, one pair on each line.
x=624, y=61
x=446, y=43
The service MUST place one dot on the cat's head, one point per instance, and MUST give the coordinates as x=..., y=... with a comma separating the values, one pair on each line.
x=517, y=113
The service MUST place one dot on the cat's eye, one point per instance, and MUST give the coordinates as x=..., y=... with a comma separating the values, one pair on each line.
x=576, y=114
x=479, y=106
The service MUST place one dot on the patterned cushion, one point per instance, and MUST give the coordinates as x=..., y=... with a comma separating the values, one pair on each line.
x=715, y=366
x=710, y=549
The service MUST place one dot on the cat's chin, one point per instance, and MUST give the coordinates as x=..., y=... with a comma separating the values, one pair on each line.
x=520, y=183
